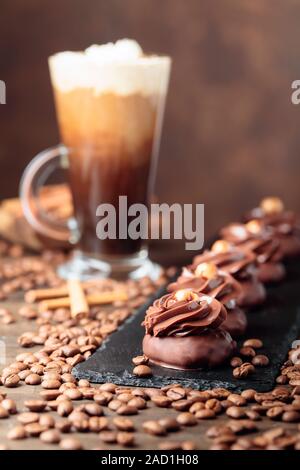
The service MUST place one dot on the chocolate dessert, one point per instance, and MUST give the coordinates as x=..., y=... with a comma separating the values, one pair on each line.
x=241, y=265
x=182, y=331
x=208, y=279
x=256, y=238
x=282, y=225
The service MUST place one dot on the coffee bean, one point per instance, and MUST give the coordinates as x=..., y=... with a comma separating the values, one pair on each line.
x=169, y=445
x=11, y=381
x=125, y=439
x=123, y=424
x=291, y=417
x=51, y=384
x=34, y=429
x=275, y=412
x=63, y=425
x=188, y=445
x=235, y=412
x=243, y=371
x=140, y=360
x=103, y=398
x=253, y=415
x=3, y=413
x=35, y=405
x=9, y=405
x=33, y=379
x=196, y=407
x=176, y=393
x=142, y=371
x=16, y=433
x=52, y=375
x=205, y=414
x=154, y=428
x=109, y=437
x=237, y=400
x=87, y=392
x=49, y=395
x=114, y=405
x=181, y=405
x=73, y=394
x=108, y=387
x=248, y=394
x=243, y=426
x=70, y=443
x=51, y=436
x=47, y=421
x=253, y=343
x=23, y=374
x=236, y=362
x=93, y=409
x=64, y=408
x=218, y=430
x=37, y=369
x=97, y=424
x=138, y=402
x=247, y=352
x=169, y=424
x=28, y=417
x=125, y=397
x=161, y=401
x=214, y=404
x=81, y=382
x=126, y=410
x=219, y=393
x=260, y=360
x=186, y=419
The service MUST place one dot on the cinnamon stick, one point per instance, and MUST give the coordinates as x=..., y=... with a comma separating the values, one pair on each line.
x=92, y=299
x=78, y=301
x=40, y=294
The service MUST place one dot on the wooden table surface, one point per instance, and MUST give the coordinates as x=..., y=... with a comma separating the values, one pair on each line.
x=9, y=334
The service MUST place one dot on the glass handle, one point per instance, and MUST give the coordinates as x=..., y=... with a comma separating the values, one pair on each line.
x=34, y=177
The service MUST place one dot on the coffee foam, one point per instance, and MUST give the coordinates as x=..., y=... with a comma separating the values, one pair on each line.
x=120, y=68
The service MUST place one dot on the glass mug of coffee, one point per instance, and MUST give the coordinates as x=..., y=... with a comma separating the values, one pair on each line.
x=110, y=104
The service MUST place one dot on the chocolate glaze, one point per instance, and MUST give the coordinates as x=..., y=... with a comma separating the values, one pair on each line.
x=283, y=226
x=236, y=322
x=271, y=272
x=253, y=294
x=209, y=349
x=171, y=317
x=241, y=265
x=266, y=248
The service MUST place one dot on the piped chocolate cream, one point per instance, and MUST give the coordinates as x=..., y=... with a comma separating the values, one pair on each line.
x=241, y=265
x=281, y=224
x=208, y=279
x=256, y=238
x=182, y=331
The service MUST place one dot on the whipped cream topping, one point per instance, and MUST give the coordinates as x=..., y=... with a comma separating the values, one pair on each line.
x=171, y=317
x=119, y=67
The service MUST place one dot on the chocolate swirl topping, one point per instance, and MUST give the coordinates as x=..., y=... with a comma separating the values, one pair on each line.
x=222, y=286
x=240, y=264
x=260, y=242
x=171, y=317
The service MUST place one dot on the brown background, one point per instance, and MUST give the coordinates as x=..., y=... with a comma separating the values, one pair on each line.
x=231, y=134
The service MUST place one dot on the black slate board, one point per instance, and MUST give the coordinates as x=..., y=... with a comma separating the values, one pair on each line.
x=277, y=323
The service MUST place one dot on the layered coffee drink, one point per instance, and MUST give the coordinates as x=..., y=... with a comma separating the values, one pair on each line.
x=110, y=102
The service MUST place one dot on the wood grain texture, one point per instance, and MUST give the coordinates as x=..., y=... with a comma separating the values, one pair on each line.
x=231, y=131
